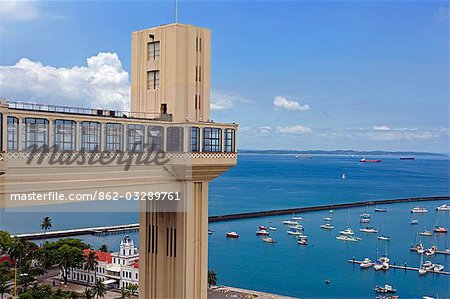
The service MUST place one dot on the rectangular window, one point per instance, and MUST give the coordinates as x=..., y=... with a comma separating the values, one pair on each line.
x=113, y=137
x=34, y=133
x=64, y=137
x=195, y=139
x=175, y=139
x=152, y=79
x=212, y=140
x=135, y=138
x=155, y=138
x=13, y=133
x=229, y=143
x=153, y=51
x=90, y=136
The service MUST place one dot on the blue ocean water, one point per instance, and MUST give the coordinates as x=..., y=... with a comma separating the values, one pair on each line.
x=266, y=182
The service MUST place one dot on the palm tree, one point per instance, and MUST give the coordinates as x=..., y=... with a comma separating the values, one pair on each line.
x=46, y=224
x=90, y=263
x=103, y=248
x=124, y=293
x=88, y=294
x=132, y=288
x=212, y=278
x=99, y=289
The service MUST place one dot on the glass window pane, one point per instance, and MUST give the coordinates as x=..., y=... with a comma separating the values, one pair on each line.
x=155, y=138
x=212, y=140
x=34, y=133
x=90, y=136
x=135, y=138
x=229, y=143
x=113, y=137
x=64, y=135
x=175, y=139
x=195, y=139
x=12, y=133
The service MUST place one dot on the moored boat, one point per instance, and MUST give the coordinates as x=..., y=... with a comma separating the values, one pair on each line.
x=384, y=238
x=385, y=289
x=407, y=158
x=290, y=222
x=272, y=228
x=302, y=242
x=364, y=220
x=368, y=230
x=426, y=233
x=262, y=232
x=414, y=221
x=263, y=227
x=268, y=240
x=364, y=160
x=347, y=238
x=443, y=207
x=380, y=210
x=347, y=231
x=327, y=226
x=294, y=232
x=419, y=210
x=366, y=263
x=440, y=229
x=232, y=235
x=365, y=215
x=297, y=218
x=328, y=219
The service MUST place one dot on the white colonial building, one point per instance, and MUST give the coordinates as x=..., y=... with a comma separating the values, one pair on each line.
x=119, y=269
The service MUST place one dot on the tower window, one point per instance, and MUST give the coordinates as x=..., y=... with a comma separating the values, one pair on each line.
x=152, y=79
x=153, y=51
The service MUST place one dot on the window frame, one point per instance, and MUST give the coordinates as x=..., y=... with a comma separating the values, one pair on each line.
x=212, y=140
x=27, y=131
x=175, y=142
x=136, y=145
x=229, y=145
x=194, y=139
x=113, y=143
x=72, y=135
x=10, y=133
x=94, y=140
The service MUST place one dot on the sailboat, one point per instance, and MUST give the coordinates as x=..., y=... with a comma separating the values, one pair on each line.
x=343, y=176
x=383, y=237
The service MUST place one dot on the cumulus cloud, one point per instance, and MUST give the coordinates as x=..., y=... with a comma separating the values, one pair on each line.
x=381, y=128
x=101, y=83
x=265, y=130
x=295, y=130
x=224, y=100
x=282, y=103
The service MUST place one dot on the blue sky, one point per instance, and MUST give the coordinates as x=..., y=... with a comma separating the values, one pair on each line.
x=295, y=75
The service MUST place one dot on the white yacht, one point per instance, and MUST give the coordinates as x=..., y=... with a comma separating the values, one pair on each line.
x=290, y=222
x=262, y=232
x=297, y=227
x=419, y=210
x=426, y=233
x=384, y=238
x=414, y=221
x=328, y=219
x=347, y=238
x=268, y=240
x=378, y=266
x=297, y=218
x=294, y=232
x=347, y=231
x=327, y=226
x=366, y=263
x=368, y=230
x=444, y=207
x=438, y=267
x=272, y=228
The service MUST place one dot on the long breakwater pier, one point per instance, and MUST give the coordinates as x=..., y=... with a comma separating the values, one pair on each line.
x=116, y=229
x=404, y=267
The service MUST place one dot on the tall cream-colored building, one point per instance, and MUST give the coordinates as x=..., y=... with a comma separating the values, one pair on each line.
x=170, y=87
x=170, y=71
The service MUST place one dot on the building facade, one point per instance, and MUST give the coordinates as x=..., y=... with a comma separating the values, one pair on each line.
x=118, y=270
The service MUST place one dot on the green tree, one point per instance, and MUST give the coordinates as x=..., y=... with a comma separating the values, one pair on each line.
x=212, y=278
x=99, y=289
x=69, y=258
x=46, y=224
x=88, y=294
x=90, y=262
x=124, y=293
x=133, y=288
x=5, y=241
x=103, y=248
x=3, y=289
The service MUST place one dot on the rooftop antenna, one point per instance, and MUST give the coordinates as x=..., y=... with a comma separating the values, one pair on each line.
x=176, y=11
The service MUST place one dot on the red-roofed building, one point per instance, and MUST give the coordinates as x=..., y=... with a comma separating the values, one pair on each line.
x=118, y=270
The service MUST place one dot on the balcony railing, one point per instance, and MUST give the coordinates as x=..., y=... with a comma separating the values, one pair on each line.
x=85, y=111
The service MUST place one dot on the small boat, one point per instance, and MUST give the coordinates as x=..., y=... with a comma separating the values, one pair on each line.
x=440, y=229
x=364, y=220
x=294, y=232
x=407, y=158
x=330, y=211
x=429, y=266
x=419, y=210
x=290, y=222
x=414, y=221
x=384, y=259
x=364, y=160
x=444, y=207
x=426, y=233
x=343, y=176
x=328, y=219
x=430, y=251
x=297, y=227
x=368, y=230
x=262, y=232
x=438, y=267
x=365, y=215
x=300, y=237
x=232, y=235
x=422, y=271
x=347, y=231
x=366, y=263
x=327, y=226
x=210, y=231
x=297, y=218
x=380, y=210
x=378, y=266
x=302, y=242
x=272, y=228
x=347, y=238
x=263, y=227
x=384, y=238
x=268, y=240
x=385, y=289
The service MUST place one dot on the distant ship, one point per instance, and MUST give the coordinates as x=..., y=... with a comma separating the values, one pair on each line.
x=364, y=160
x=407, y=158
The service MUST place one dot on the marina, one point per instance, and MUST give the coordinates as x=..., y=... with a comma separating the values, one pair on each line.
x=403, y=267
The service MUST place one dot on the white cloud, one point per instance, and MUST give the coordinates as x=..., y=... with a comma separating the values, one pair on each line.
x=381, y=128
x=19, y=10
x=295, y=130
x=222, y=101
x=403, y=135
x=265, y=130
x=282, y=103
x=102, y=83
